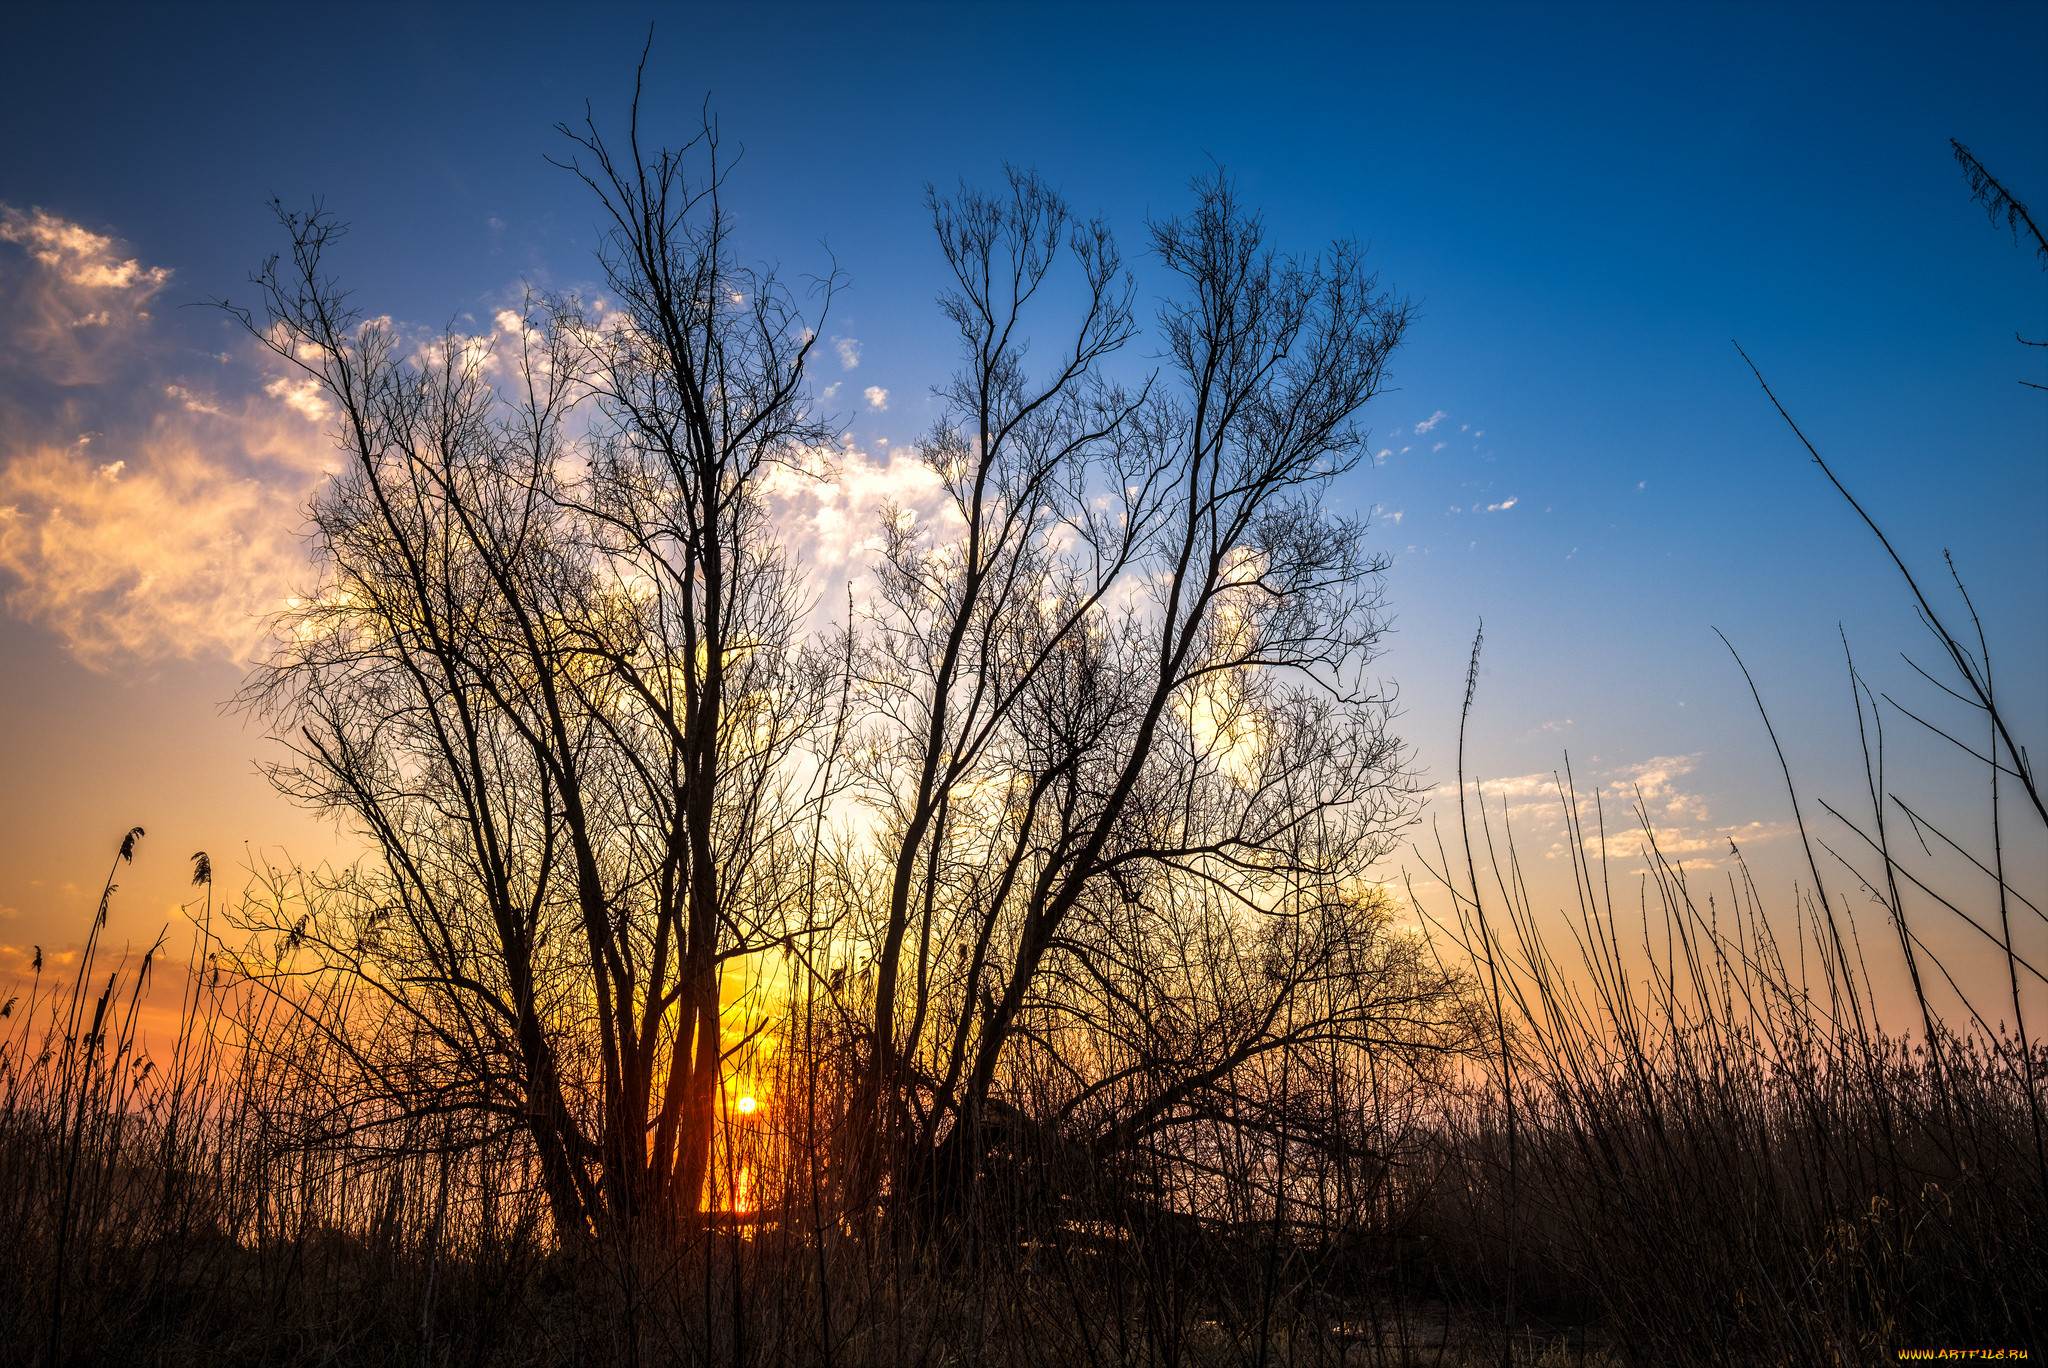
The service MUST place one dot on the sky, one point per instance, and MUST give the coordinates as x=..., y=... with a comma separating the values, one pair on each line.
x=1587, y=203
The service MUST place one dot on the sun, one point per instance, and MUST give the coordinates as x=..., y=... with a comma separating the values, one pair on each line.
x=747, y=1105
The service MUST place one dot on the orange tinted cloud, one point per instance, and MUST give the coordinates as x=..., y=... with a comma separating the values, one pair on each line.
x=1679, y=818
x=160, y=553
x=77, y=300
x=170, y=527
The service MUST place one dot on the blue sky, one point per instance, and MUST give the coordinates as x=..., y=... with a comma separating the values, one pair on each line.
x=1586, y=201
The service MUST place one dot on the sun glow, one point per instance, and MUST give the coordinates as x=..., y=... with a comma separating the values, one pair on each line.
x=747, y=1105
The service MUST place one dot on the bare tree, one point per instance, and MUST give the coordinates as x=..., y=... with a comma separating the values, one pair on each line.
x=701, y=391
x=1127, y=771
x=952, y=650
x=554, y=676
x=1131, y=769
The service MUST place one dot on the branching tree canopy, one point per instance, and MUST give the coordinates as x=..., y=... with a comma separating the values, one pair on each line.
x=554, y=675
x=1106, y=766
x=1127, y=762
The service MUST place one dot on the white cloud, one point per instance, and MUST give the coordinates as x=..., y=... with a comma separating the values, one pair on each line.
x=177, y=550
x=877, y=397
x=829, y=515
x=180, y=530
x=849, y=351
x=1430, y=422
x=197, y=403
x=1503, y=505
x=67, y=312
x=78, y=256
x=302, y=394
x=1534, y=807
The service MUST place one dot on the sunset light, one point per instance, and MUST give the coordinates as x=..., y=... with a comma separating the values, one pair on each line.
x=808, y=685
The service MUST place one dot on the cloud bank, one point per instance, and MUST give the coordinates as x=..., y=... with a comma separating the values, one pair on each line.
x=1653, y=796
x=150, y=492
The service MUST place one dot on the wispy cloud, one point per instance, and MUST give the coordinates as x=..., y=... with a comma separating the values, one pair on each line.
x=75, y=255
x=877, y=397
x=144, y=514
x=833, y=511
x=1655, y=794
x=849, y=351
x=73, y=303
x=302, y=394
x=172, y=554
x=1429, y=423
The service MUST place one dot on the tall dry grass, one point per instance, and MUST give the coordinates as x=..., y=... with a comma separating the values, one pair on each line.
x=1694, y=1130
x=1713, y=1157
x=155, y=1207
x=1680, y=1135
